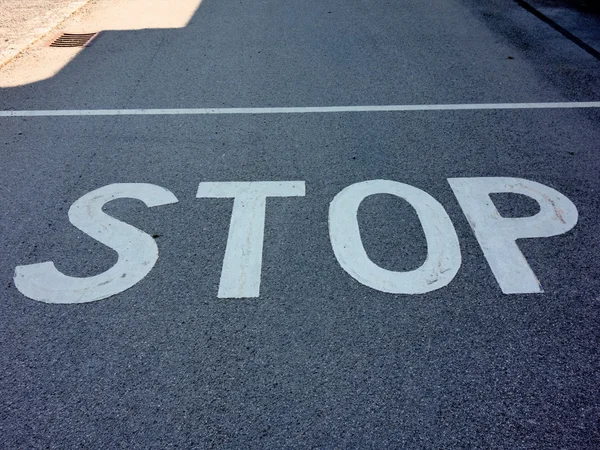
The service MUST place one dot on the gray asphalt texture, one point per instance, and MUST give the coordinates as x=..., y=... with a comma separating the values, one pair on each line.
x=318, y=360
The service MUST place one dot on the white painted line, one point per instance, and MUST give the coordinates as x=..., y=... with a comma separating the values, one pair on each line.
x=296, y=110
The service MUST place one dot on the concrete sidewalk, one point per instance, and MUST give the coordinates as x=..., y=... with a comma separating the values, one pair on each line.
x=23, y=23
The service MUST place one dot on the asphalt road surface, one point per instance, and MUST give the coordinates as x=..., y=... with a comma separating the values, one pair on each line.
x=306, y=278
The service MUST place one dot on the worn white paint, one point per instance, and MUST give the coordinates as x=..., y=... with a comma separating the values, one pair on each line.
x=137, y=251
x=443, y=251
x=497, y=234
x=240, y=275
x=297, y=110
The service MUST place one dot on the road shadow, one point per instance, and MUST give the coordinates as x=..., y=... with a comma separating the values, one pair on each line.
x=312, y=53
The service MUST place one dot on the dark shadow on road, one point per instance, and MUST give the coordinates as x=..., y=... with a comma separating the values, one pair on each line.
x=313, y=53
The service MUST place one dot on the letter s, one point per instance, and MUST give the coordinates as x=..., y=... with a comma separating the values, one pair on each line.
x=137, y=251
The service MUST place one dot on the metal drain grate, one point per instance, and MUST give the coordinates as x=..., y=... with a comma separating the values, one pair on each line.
x=74, y=40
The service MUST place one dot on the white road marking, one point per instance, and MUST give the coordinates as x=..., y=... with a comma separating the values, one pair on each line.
x=137, y=251
x=497, y=235
x=242, y=264
x=443, y=250
x=296, y=110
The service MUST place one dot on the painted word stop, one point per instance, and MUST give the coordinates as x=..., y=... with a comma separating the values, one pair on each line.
x=242, y=262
